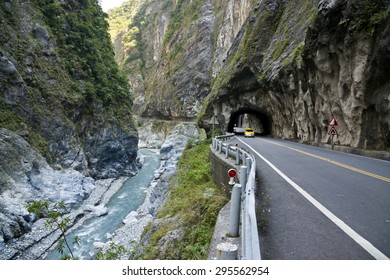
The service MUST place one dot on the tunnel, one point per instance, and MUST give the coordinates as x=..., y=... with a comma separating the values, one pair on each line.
x=257, y=119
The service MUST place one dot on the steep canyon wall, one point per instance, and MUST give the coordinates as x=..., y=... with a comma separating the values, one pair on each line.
x=293, y=64
x=300, y=63
x=65, y=116
x=177, y=47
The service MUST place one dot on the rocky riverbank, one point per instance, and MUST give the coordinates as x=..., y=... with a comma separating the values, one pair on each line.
x=25, y=176
x=39, y=241
x=130, y=233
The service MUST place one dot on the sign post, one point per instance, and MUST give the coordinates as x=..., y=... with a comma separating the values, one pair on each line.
x=332, y=131
x=235, y=204
x=232, y=174
x=213, y=121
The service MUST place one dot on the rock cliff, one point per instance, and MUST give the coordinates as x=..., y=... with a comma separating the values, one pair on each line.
x=297, y=64
x=290, y=65
x=65, y=108
x=176, y=48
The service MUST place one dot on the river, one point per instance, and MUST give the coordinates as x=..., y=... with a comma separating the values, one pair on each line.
x=127, y=199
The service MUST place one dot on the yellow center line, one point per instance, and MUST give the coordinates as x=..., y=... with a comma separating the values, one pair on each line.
x=334, y=162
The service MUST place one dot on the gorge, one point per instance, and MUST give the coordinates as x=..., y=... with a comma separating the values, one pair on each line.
x=289, y=65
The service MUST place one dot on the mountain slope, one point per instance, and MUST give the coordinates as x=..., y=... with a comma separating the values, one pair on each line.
x=170, y=51
x=63, y=91
x=65, y=107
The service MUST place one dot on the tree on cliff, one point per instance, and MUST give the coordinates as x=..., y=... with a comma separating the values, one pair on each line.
x=56, y=219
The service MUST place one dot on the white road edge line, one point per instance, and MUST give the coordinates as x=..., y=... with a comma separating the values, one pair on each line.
x=371, y=249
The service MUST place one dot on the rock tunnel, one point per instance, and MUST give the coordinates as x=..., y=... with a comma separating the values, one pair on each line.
x=257, y=119
x=241, y=103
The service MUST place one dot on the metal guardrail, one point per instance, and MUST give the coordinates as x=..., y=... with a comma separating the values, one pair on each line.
x=250, y=243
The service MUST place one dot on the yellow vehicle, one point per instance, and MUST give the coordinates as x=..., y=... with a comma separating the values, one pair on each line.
x=249, y=132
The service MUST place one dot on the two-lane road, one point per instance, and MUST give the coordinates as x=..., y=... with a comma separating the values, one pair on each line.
x=320, y=204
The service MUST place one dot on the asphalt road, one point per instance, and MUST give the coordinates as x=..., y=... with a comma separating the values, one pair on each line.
x=320, y=204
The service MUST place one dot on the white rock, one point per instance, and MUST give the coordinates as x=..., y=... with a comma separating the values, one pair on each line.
x=98, y=245
x=131, y=218
x=98, y=211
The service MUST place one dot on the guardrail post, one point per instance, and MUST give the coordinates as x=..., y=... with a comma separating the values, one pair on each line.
x=237, y=157
x=243, y=157
x=220, y=147
x=235, y=206
x=248, y=163
x=227, y=150
x=243, y=177
x=227, y=251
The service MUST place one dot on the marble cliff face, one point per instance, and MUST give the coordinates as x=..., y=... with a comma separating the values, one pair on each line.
x=298, y=68
x=292, y=64
x=180, y=47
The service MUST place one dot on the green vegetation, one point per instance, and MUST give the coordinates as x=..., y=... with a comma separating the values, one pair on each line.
x=127, y=22
x=11, y=121
x=181, y=16
x=194, y=203
x=122, y=17
x=296, y=55
x=279, y=48
x=64, y=78
x=80, y=31
x=114, y=252
x=56, y=219
x=291, y=21
x=366, y=15
x=70, y=75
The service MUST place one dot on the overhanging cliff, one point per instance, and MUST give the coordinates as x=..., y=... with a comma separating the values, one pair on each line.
x=297, y=64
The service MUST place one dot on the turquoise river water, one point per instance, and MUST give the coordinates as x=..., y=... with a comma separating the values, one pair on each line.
x=128, y=198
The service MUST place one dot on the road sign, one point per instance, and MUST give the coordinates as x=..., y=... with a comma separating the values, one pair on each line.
x=333, y=131
x=214, y=120
x=232, y=173
x=333, y=122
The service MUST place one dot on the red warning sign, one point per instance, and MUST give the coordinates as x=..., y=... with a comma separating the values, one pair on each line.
x=333, y=131
x=333, y=122
x=232, y=173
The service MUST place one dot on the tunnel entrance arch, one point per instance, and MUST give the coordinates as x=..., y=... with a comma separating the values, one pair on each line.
x=248, y=117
